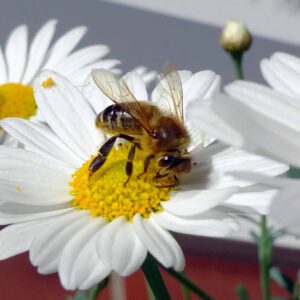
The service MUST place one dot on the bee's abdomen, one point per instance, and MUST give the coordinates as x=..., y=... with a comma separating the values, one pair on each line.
x=113, y=119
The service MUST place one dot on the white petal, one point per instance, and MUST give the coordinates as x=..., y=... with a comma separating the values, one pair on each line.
x=252, y=202
x=38, y=50
x=68, y=114
x=64, y=45
x=189, y=203
x=94, y=270
x=16, y=239
x=280, y=77
x=267, y=102
x=285, y=209
x=288, y=77
x=30, y=178
x=3, y=70
x=206, y=227
x=106, y=238
x=128, y=253
x=200, y=85
x=47, y=246
x=30, y=213
x=201, y=115
x=16, y=53
x=159, y=242
x=80, y=59
x=39, y=138
x=94, y=96
x=202, y=155
x=147, y=76
x=79, y=76
x=136, y=85
x=72, y=265
x=238, y=160
x=264, y=133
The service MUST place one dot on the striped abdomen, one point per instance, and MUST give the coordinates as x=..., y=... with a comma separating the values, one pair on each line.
x=113, y=119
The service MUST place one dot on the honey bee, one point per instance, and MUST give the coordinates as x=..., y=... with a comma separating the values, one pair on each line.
x=159, y=133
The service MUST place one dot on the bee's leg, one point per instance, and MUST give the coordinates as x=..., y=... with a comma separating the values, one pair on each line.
x=146, y=164
x=129, y=164
x=176, y=181
x=158, y=175
x=103, y=152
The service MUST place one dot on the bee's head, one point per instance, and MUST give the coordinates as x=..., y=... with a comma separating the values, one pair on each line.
x=178, y=164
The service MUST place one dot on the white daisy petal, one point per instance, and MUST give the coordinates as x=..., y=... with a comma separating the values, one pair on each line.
x=159, y=242
x=128, y=253
x=200, y=85
x=193, y=202
x=263, y=133
x=9, y=216
x=30, y=178
x=67, y=113
x=262, y=99
x=106, y=238
x=136, y=85
x=205, y=227
x=48, y=244
x=79, y=76
x=17, y=238
x=38, y=50
x=279, y=77
x=16, y=53
x=3, y=71
x=87, y=269
x=94, y=96
x=201, y=115
x=285, y=209
x=80, y=59
x=94, y=269
x=64, y=46
x=72, y=263
x=39, y=138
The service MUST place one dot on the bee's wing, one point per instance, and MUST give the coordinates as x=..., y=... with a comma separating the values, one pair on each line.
x=169, y=91
x=116, y=89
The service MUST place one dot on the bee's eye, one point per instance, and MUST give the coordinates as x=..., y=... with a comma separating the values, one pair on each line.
x=168, y=161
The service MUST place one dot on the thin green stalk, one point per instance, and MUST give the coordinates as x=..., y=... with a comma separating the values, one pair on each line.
x=237, y=59
x=94, y=292
x=154, y=279
x=264, y=255
x=193, y=287
x=149, y=292
x=185, y=291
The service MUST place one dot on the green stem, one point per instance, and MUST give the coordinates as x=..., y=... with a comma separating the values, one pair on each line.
x=193, y=287
x=149, y=292
x=94, y=292
x=185, y=291
x=237, y=59
x=154, y=279
x=264, y=255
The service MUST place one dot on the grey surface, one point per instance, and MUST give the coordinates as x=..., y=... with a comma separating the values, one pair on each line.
x=138, y=37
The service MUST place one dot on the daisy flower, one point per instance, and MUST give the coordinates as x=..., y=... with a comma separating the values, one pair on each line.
x=85, y=227
x=263, y=120
x=21, y=61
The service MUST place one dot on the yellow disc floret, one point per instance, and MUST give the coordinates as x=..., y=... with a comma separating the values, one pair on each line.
x=16, y=100
x=104, y=193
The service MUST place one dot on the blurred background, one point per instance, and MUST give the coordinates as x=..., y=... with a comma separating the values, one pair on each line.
x=150, y=33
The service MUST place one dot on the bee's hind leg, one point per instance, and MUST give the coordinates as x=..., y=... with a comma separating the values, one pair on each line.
x=104, y=150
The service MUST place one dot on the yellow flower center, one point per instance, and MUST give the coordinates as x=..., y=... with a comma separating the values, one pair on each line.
x=16, y=100
x=104, y=193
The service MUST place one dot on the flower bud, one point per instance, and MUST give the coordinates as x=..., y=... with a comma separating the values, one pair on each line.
x=235, y=37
